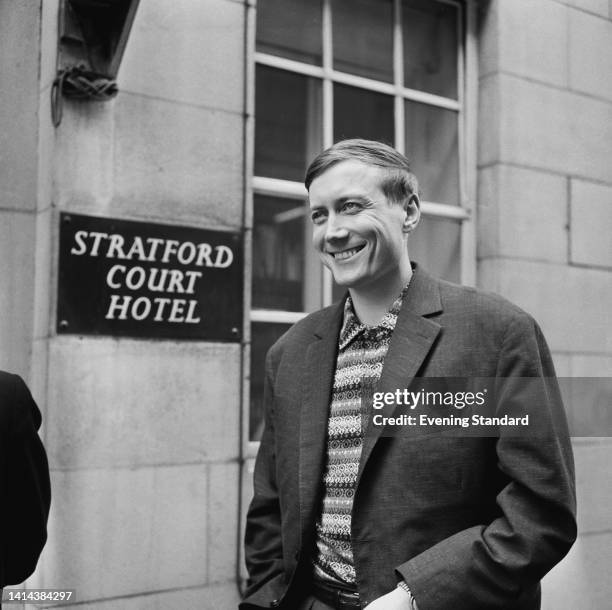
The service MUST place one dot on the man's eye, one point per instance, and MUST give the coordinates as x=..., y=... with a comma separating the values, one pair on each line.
x=349, y=206
x=317, y=217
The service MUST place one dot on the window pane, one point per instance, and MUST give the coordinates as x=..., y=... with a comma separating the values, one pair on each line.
x=290, y=28
x=287, y=123
x=263, y=335
x=363, y=37
x=435, y=244
x=430, y=46
x=278, y=254
x=362, y=114
x=432, y=146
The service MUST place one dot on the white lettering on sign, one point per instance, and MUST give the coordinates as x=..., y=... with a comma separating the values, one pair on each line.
x=151, y=249
x=224, y=258
x=156, y=280
x=125, y=306
x=168, y=281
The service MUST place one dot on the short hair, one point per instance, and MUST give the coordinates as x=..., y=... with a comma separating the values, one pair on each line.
x=399, y=184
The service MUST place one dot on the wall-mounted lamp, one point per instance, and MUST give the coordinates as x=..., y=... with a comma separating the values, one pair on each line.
x=92, y=38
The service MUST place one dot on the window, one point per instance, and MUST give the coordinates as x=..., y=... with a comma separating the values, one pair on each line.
x=390, y=70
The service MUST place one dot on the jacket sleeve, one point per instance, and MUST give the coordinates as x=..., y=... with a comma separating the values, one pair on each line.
x=26, y=493
x=496, y=564
x=263, y=545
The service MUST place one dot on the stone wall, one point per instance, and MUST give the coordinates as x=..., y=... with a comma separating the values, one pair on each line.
x=545, y=220
x=143, y=436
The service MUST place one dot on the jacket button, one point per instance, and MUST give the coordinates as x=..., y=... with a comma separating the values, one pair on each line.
x=275, y=603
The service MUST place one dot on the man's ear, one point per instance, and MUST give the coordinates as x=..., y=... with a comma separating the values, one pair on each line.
x=412, y=209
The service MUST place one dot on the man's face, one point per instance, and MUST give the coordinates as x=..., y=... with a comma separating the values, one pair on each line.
x=357, y=232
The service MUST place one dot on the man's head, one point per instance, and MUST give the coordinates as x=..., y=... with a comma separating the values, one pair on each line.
x=364, y=203
x=398, y=183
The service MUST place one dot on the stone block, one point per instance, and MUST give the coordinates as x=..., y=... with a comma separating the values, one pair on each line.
x=488, y=29
x=563, y=364
x=117, y=532
x=597, y=7
x=590, y=365
x=532, y=39
x=570, y=303
x=124, y=402
x=582, y=579
x=218, y=596
x=223, y=506
x=594, y=488
x=529, y=124
x=46, y=152
x=248, y=467
x=520, y=202
x=587, y=401
x=591, y=223
x=588, y=395
x=19, y=68
x=590, y=54
x=17, y=243
x=489, y=109
x=37, y=381
x=48, y=43
x=44, y=273
x=199, y=53
x=178, y=161
x=487, y=242
x=83, y=173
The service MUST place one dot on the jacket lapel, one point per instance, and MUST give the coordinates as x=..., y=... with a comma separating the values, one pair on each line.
x=316, y=396
x=411, y=342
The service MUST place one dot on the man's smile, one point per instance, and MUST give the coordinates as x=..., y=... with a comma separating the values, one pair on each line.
x=345, y=254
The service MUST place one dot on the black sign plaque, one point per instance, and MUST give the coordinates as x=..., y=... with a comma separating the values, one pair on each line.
x=140, y=279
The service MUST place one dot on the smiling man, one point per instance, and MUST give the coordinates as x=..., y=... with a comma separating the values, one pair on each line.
x=345, y=515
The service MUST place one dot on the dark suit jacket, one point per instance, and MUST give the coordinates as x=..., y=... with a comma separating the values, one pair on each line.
x=468, y=523
x=24, y=482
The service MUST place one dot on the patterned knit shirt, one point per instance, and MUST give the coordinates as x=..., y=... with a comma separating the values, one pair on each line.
x=361, y=353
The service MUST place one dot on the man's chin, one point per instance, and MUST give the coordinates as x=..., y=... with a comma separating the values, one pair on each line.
x=348, y=282
x=346, y=278
x=343, y=280
x=343, y=283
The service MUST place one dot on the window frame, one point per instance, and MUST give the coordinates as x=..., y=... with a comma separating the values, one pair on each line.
x=465, y=105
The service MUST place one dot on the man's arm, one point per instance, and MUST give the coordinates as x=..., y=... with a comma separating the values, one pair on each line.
x=26, y=495
x=263, y=546
x=491, y=565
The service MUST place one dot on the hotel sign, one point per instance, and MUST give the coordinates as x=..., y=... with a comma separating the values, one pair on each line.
x=139, y=279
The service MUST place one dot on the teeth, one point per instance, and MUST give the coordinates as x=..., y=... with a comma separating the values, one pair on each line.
x=346, y=254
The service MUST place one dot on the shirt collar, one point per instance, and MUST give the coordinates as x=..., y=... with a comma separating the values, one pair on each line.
x=352, y=326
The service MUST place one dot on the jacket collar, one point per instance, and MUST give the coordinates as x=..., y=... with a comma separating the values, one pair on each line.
x=422, y=298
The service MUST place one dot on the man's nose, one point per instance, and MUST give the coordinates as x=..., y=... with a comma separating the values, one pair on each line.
x=335, y=229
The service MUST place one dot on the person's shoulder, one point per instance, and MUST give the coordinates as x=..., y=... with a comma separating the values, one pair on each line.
x=9, y=384
x=16, y=403
x=304, y=330
x=8, y=391
x=484, y=304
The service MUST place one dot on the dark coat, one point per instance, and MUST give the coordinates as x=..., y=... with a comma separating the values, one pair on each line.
x=468, y=523
x=24, y=482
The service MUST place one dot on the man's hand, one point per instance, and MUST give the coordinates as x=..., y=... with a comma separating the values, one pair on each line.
x=396, y=600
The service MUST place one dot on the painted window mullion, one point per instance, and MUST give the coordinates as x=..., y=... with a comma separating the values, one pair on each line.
x=328, y=119
x=398, y=76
